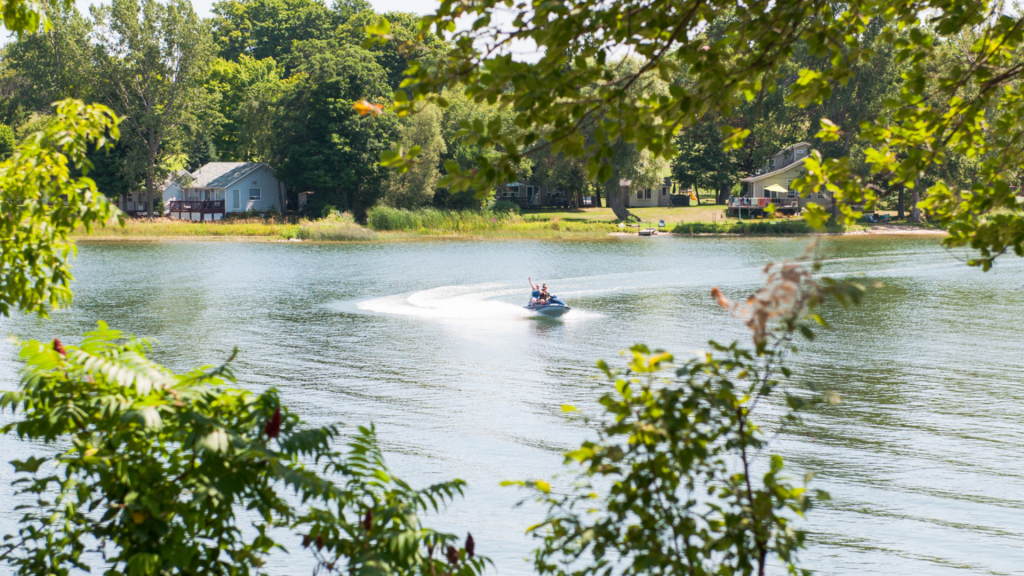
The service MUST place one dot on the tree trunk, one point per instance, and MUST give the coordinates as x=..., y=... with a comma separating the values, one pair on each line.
x=696, y=194
x=597, y=197
x=149, y=196
x=616, y=199
x=899, y=205
x=280, y=198
x=915, y=197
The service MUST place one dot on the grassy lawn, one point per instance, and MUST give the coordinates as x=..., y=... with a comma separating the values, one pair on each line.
x=671, y=216
x=584, y=224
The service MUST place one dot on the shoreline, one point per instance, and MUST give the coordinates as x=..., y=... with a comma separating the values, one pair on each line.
x=382, y=237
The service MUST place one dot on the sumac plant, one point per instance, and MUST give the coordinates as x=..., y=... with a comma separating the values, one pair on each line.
x=159, y=473
x=677, y=481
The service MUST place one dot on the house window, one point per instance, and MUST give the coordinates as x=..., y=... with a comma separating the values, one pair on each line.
x=639, y=194
x=799, y=152
x=130, y=197
x=647, y=193
x=789, y=186
x=236, y=199
x=664, y=191
x=254, y=193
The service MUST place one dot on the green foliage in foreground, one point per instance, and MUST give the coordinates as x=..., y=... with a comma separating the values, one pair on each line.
x=155, y=468
x=43, y=200
x=678, y=458
x=959, y=100
x=672, y=483
x=152, y=470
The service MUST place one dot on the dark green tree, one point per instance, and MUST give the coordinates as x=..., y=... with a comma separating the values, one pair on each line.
x=324, y=145
x=153, y=58
x=246, y=92
x=702, y=163
x=404, y=44
x=967, y=96
x=263, y=29
x=53, y=63
x=6, y=142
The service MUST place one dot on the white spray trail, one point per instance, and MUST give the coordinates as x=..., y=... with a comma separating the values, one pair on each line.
x=475, y=302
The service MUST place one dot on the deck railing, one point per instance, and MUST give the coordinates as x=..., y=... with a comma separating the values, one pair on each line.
x=753, y=203
x=200, y=206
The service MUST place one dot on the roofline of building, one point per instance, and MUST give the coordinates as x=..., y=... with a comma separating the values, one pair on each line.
x=791, y=146
x=257, y=166
x=774, y=172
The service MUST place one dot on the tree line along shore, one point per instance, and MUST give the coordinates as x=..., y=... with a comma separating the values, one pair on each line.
x=285, y=83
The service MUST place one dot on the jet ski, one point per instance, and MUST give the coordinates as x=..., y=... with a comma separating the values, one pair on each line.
x=552, y=309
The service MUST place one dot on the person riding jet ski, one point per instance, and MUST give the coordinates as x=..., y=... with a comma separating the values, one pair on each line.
x=544, y=302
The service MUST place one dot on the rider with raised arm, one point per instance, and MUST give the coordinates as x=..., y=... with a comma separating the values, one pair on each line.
x=535, y=297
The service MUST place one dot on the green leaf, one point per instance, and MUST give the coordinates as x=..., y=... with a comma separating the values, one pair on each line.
x=143, y=564
x=216, y=441
x=30, y=465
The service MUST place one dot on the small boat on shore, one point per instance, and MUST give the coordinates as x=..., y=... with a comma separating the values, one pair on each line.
x=551, y=309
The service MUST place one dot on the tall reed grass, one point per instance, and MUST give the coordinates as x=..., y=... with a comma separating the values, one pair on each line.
x=433, y=220
x=482, y=223
x=334, y=228
x=168, y=228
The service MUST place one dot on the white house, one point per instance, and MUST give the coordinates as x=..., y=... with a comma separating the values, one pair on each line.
x=785, y=166
x=647, y=197
x=173, y=188
x=220, y=188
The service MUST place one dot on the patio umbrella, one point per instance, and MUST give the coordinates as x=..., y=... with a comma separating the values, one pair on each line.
x=775, y=188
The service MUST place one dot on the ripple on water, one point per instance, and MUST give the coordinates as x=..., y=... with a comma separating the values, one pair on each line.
x=430, y=342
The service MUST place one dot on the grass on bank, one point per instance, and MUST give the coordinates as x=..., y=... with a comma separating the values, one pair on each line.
x=671, y=216
x=758, y=227
x=334, y=228
x=168, y=228
x=391, y=224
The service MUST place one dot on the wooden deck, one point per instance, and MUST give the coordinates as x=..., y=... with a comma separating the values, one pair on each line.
x=198, y=210
x=754, y=207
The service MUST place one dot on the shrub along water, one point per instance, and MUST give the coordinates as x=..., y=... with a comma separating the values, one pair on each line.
x=765, y=227
x=334, y=227
x=434, y=220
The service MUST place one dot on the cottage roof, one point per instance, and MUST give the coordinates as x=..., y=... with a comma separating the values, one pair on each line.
x=222, y=174
x=791, y=146
x=796, y=164
x=666, y=181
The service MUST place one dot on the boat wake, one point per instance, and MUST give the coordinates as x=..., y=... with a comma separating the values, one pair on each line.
x=476, y=302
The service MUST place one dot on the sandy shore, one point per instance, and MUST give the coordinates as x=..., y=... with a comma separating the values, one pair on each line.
x=899, y=229
x=879, y=229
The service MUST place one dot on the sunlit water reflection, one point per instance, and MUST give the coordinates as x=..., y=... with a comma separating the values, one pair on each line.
x=430, y=342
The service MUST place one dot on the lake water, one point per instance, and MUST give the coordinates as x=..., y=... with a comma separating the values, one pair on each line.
x=428, y=341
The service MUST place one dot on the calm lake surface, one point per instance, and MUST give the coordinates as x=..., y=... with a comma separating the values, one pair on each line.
x=428, y=341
